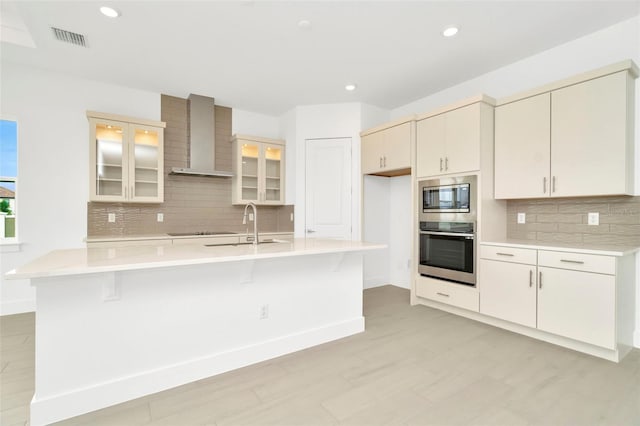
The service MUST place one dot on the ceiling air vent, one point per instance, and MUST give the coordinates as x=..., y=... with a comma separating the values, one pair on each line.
x=69, y=37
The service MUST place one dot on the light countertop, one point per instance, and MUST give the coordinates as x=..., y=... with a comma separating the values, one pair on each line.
x=93, y=260
x=606, y=250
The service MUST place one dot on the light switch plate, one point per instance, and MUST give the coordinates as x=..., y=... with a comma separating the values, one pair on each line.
x=160, y=217
x=521, y=218
x=111, y=217
x=593, y=218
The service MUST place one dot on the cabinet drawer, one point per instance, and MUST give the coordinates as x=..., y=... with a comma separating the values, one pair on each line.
x=577, y=261
x=452, y=294
x=508, y=254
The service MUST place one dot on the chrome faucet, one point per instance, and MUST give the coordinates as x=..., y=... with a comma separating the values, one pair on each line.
x=253, y=239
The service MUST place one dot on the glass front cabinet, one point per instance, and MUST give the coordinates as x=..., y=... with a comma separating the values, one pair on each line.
x=258, y=170
x=126, y=163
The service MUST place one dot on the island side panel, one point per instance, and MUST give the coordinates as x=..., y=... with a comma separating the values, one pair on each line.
x=106, y=338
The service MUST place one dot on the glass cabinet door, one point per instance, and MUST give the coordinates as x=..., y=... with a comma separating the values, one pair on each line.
x=110, y=164
x=250, y=155
x=273, y=164
x=146, y=158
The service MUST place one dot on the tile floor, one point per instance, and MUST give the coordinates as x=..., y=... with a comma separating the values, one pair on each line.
x=412, y=366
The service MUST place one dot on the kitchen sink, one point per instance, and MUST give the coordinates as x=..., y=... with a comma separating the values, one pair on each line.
x=246, y=243
x=186, y=234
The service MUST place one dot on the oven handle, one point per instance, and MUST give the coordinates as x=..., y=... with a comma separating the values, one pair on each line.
x=448, y=234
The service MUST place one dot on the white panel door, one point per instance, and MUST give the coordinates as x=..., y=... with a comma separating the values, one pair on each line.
x=328, y=188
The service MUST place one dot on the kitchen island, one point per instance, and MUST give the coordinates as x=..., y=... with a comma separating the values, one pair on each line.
x=114, y=324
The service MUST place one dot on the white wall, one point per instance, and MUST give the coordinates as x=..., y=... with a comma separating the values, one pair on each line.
x=254, y=124
x=400, y=231
x=323, y=122
x=604, y=47
x=53, y=161
x=376, y=229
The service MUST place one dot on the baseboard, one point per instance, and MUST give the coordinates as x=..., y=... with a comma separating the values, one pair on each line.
x=80, y=401
x=17, y=307
x=374, y=282
x=636, y=339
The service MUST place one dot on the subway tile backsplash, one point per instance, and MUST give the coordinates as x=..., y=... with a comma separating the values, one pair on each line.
x=565, y=220
x=191, y=203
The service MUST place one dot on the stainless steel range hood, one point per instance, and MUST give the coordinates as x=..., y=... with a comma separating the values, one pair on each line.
x=202, y=139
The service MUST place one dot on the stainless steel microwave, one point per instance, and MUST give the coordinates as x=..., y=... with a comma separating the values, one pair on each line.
x=448, y=199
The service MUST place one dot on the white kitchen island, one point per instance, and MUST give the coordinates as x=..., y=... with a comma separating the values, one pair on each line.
x=114, y=324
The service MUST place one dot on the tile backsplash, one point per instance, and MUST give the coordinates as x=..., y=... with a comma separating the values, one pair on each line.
x=191, y=203
x=565, y=220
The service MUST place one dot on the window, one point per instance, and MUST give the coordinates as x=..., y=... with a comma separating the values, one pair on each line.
x=8, y=178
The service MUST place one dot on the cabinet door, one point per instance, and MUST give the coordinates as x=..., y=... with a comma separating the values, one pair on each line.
x=430, y=139
x=108, y=160
x=249, y=166
x=578, y=305
x=396, y=147
x=371, y=146
x=272, y=179
x=523, y=148
x=146, y=160
x=589, y=137
x=508, y=291
x=462, y=134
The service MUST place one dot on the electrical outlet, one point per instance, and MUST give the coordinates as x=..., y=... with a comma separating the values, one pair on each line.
x=111, y=217
x=160, y=217
x=522, y=218
x=593, y=218
x=251, y=217
x=264, y=312
x=291, y=217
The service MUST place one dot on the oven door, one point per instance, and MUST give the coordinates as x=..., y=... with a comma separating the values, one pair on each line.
x=448, y=255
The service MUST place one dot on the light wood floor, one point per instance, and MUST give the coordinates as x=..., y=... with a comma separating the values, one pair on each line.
x=412, y=366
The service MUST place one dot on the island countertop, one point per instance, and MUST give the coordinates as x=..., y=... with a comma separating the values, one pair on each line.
x=93, y=260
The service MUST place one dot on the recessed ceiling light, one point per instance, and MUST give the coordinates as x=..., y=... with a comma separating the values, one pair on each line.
x=304, y=24
x=450, y=31
x=350, y=87
x=109, y=11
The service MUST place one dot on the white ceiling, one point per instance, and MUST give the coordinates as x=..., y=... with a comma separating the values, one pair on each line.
x=253, y=55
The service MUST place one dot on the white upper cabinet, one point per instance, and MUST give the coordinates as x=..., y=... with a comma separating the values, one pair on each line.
x=449, y=141
x=258, y=170
x=573, y=139
x=592, y=137
x=126, y=159
x=386, y=150
x=522, y=148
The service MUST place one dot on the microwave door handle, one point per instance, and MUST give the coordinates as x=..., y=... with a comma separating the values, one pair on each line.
x=447, y=234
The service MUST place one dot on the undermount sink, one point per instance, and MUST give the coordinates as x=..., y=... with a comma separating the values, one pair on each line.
x=186, y=234
x=246, y=243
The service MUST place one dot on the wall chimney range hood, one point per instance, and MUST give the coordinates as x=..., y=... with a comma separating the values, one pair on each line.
x=202, y=139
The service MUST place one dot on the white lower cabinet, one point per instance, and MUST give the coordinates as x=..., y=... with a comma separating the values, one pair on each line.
x=578, y=305
x=458, y=295
x=509, y=291
x=574, y=295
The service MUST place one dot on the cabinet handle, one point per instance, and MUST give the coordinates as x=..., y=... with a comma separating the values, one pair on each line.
x=380, y=162
x=544, y=185
x=126, y=191
x=505, y=254
x=530, y=277
x=442, y=294
x=540, y=279
x=446, y=163
x=553, y=184
x=577, y=262
x=385, y=160
x=440, y=163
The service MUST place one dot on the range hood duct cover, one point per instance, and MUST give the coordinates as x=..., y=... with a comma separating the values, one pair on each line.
x=202, y=143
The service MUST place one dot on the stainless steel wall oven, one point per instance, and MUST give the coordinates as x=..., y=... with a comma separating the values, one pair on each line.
x=447, y=229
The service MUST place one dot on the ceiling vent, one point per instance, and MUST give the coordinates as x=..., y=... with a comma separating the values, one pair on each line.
x=69, y=37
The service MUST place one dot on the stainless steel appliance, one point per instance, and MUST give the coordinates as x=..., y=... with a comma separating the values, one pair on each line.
x=447, y=251
x=448, y=229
